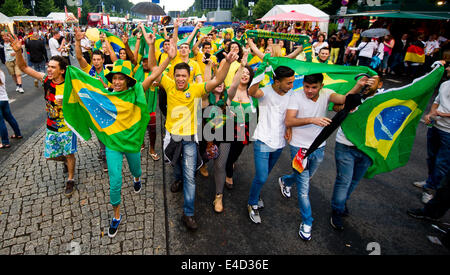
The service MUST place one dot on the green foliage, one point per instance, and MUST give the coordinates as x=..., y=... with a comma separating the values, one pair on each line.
x=240, y=12
x=261, y=8
x=44, y=7
x=13, y=8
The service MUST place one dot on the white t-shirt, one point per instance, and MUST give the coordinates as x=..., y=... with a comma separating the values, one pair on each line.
x=367, y=51
x=380, y=51
x=85, y=42
x=304, y=136
x=431, y=46
x=3, y=93
x=53, y=45
x=272, y=112
x=8, y=51
x=443, y=99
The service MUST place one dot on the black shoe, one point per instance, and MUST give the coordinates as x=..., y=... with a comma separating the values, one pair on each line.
x=105, y=166
x=177, y=186
x=419, y=213
x=189, y=222
x=70, y=188
x=346, y=212
x=336, y=221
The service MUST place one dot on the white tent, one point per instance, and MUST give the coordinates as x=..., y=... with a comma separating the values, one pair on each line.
x=307, y=9
x=5, y=19
x=59, y=16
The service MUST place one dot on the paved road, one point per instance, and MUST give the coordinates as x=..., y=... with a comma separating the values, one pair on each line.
x=36, y=218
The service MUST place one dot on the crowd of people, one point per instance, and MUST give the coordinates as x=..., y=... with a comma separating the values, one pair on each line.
x=212, y=73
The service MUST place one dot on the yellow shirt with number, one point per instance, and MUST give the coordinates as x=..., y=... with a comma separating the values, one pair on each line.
x=194, y=69
x=182, y=106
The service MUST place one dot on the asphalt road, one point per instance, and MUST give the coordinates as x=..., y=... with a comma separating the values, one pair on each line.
x=377, y=207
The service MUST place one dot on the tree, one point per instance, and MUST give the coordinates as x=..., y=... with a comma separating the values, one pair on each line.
x=261, y=8
x=240, y=12
x=320, y=4
x=44, y=7
x=13, y=8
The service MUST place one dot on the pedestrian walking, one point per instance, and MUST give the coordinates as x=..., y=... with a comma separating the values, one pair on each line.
x=5, y=114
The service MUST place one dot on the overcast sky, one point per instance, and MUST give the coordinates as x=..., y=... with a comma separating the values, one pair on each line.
x=172, y=5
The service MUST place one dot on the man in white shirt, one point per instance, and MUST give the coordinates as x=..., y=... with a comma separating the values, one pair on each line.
x=431, y=51
x=438, y=141
x=306, y=115
x=269, y=134
x=11, y=63
x=85, y=48
x=53, y=44
x=351, y=165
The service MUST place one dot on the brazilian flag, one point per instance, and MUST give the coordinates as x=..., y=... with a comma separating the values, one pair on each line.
x=339, y=78
x=384, y=126
x=116, y=42
x=119, y=119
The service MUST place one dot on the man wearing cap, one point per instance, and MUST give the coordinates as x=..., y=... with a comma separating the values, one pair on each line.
x=181, y=127
x=121, y=80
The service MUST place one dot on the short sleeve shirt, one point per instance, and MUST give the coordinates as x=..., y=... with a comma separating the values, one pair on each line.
x=194, y=69
x=182, y=106
x=55, y=117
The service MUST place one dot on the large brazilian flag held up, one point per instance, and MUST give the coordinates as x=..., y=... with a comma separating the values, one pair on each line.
x=336, y=77
x=384, y=126
x=119, y=119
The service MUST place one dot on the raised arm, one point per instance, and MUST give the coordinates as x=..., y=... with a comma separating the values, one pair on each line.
x=158, y=70
x=297, y=51
x=128, y=49
x=340, y=99
x=176, y=25
x=78, y=52
x=255, y=49
x=221, y=73
x=192, y=35
x=237, y=77
x=17, y=47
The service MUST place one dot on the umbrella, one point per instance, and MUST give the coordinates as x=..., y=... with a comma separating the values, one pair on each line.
x=375, y=33
x=351, y=102
x=148, y=8
x=292, y=16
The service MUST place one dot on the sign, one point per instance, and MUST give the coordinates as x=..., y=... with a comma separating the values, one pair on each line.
x=79, y=12
x=155, y=1
x=251, y=4
x=343, y=10
x=372, y=3
x=344, y=2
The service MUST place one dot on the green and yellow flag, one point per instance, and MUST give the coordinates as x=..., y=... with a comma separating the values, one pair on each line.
x=339, y=78
x=118, y=119
x=384, y=126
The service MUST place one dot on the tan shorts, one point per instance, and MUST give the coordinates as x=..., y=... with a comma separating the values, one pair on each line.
x=13, y=68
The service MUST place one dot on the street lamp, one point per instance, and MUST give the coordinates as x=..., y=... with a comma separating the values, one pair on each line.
x=32, y=6
x=441, y=3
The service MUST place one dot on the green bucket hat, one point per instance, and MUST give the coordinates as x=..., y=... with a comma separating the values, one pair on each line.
x=122, y=66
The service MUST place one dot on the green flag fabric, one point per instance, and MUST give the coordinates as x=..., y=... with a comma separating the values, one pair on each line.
x=339, y=78
x=384, y=126
x=118, y=119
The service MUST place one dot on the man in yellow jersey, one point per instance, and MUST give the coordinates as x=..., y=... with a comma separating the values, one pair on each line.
x=181, y=126
x=205, y=53
x=183, y=57
x=323, y=57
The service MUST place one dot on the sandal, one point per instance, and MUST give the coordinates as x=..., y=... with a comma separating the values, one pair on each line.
x=5, y=146
x=155, y=156
x=16, y=137
x=228, y=185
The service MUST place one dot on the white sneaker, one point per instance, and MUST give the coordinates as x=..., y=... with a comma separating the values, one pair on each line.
x=260, y=203
x=254, y=213
x=285, y=190
x=426, y=197
x=420, y=184
x=21, y=90
x=305, y=232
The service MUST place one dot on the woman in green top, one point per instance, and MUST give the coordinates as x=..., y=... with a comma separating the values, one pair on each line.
x=241, y=105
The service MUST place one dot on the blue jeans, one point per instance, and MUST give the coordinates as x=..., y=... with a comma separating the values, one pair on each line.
x=351, y=165
x=438, y=147
x=38, y=67
x=397, y=59
x=384, y=63
x=184, y=170
x=302, y=181
x=265, y=159
x=5, y=114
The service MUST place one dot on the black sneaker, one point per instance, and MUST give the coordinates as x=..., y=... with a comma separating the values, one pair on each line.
x=137, y=186
x=176, y=186
x=336, y=221
x=419, y=214
x=189, y=222
x=70, y=188
x=114, y=226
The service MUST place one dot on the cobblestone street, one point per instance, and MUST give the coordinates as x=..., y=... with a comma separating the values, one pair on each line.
x=36, y=217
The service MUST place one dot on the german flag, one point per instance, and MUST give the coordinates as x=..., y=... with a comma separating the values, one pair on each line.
x=415, y=53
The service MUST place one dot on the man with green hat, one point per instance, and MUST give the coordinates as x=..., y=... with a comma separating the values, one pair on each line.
x=121, y=80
